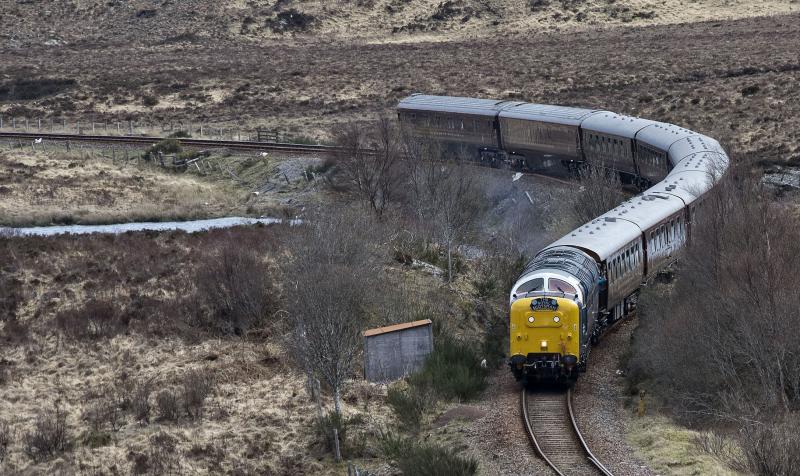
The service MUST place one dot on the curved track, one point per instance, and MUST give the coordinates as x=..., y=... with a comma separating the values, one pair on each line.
x=553, y=432
x=146, y=141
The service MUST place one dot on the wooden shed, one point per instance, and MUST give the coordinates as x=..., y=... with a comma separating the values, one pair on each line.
x=395, y=351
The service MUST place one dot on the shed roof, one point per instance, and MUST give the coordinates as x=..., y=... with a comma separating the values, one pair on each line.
x=396, y=327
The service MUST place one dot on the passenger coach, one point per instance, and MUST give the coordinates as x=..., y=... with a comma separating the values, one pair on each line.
x=578, y=286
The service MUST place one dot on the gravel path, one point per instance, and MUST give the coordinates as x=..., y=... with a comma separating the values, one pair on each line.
x=599, y=398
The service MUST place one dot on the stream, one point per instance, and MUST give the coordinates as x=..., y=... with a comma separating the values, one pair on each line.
x=191, y=226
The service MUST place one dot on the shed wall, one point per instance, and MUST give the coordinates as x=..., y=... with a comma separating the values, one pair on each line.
x=393, y=355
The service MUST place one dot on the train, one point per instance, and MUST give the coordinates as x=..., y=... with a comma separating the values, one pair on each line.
x=577, y=287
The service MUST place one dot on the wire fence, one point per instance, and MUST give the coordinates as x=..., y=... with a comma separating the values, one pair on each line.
x=198, y=130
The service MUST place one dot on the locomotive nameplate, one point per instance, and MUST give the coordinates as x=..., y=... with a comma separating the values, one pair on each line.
x=544, y=304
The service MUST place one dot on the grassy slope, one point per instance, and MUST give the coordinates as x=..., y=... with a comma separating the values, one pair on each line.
x=96, y=21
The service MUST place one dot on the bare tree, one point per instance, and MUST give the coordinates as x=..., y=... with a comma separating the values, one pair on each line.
x=368, y=162
x=734, y=310
x=601, y=190
x=331, y=278
x=458, y=209
x=446, y=197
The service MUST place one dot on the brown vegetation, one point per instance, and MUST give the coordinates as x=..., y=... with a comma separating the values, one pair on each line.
x=369, y=163
x=600, y=191
x=735, y=82
x=721, y=344
x=59, y=187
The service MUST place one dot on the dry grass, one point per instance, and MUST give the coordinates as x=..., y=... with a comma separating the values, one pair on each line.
x=670, y=449
x=43, y=188
x=364, y=20
x=734, y=80
x=40, y=189
x=254, y=418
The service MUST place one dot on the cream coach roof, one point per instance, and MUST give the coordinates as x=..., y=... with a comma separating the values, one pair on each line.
x=459, y=105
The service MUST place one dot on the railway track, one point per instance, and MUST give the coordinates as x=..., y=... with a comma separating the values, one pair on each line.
x=551, y=427
x=195, y=143
x=207, y=144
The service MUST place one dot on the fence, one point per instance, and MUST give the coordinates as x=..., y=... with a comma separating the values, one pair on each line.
x=198, y=130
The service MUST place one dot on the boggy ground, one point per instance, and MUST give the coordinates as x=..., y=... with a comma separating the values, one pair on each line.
x=734, y=80
x=55, y=186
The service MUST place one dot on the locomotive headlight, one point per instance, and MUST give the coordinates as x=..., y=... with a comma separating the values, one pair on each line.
x=530, y=319
x=556, y=319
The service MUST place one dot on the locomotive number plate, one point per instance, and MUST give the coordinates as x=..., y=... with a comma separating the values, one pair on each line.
x=544, y=304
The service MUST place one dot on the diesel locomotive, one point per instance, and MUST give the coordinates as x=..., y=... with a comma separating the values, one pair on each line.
x=578, y=286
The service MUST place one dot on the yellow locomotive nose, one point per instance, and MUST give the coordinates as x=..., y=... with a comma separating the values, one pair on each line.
x=542, y=330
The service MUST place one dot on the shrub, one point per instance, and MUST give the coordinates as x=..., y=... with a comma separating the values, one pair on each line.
x=409, y=406
x=49, y=436
x=105, y=412
x=96, y=319
x=423, y=459
x=27, y=89
x=149, y=100
x=162, y=456
x=5, y=439
x=290, y=20
x=140, y=401
x=166, y=146
x=350, y=446
x=235, y=284
x=15, y=331
x=168, y=405
x=197, y=386
x=180, y=134
x=452, y=370
x=96, y=439
x=495, y=342
x=773, y=449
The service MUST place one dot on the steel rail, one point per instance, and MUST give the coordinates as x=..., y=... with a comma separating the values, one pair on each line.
x=240, y=145
x=531, y=435
x=592, y=458
x=209, y=143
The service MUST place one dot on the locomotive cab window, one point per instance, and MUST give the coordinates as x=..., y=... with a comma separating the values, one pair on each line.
x=536, y=284
x=558, y=285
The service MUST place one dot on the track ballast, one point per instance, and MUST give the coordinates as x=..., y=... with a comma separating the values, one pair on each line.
x=551, y=427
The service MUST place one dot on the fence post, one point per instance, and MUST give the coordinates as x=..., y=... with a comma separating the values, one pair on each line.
x=14, y=122
x=1, y=122
x=336, y=444
x=130, y=127
x=26, y=124
x=39, y=124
